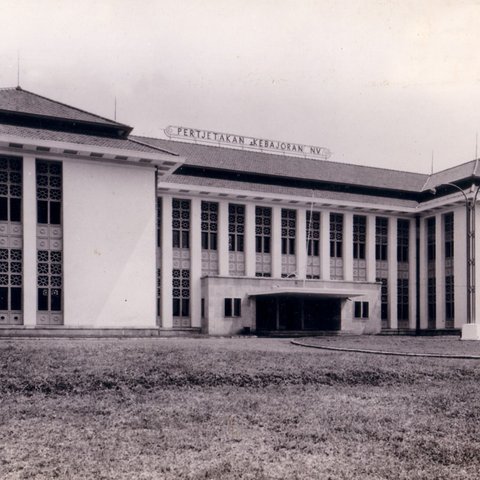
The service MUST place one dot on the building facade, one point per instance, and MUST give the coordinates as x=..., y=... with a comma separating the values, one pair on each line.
x=101, y=229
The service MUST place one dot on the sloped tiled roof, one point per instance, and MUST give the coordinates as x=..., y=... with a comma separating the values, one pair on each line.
x=289, y=166
x=83, y=139
x=280, y=190
x=22, y=101
x=453, y=174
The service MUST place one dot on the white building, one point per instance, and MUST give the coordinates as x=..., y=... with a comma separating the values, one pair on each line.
x=101, y=229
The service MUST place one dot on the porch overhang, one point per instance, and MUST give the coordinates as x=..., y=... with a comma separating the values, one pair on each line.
x=308, y=292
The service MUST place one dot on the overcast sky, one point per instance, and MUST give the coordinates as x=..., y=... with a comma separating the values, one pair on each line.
x=380, y=83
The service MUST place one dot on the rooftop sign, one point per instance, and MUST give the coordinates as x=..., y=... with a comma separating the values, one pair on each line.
x=247, y=143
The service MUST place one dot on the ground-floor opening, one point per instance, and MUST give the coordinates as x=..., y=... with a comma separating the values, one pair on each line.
x=296, y=313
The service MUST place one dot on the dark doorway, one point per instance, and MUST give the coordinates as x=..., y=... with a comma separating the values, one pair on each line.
x=295, y=313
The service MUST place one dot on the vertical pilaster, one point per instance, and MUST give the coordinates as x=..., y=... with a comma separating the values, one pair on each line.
x=348, y=246
x=250, y=254
x=195, y=262
x=412, y=277
x=325, y=245
x=167, y=263
x=276, y=241
x=439, y=271
x=392, y=272
x=460, y=265
x=223, y=259
x=370, y=253
x=301, y=243
x=29, y=241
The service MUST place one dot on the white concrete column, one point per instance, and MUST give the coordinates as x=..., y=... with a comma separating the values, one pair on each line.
x=472, y=331
x=392, y=272
x=223, y=253
x=476, y=314
x=423, y=275
x=167, y=263
x=301, y=243
x=370, y=253
x=29, y=216
x=412, y=277
x=348, y=246
x=460, y=265
x=250, y=253
x=195, y=262
x=325, y=245
x=276, y=242
x=439, y=271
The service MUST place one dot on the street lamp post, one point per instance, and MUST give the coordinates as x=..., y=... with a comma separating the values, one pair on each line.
x=470, y=330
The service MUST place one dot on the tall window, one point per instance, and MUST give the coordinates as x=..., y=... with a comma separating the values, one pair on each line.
x=403, y=227
x=181, y=262
x=263, y=239
x=431, y=274
x=236, y=236
x=181, y=224
x=313, y=244
x=403, y=274
x=11, y=265
x=289, y=226
x=209, y=225
x=381, y=267
x=336, y=235
x=181, y=297
x=381, y=238
x=336, y=246
x=236, y=227
x=359, y=246
x=49, y=241
x=449, y=277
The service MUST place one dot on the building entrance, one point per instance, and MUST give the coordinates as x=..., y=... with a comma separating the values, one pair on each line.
x=297, y=313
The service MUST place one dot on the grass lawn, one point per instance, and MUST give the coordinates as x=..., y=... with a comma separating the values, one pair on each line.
x=236, y=408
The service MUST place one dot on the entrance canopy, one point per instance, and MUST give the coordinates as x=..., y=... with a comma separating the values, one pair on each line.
x=309, y=292
x=299, y=309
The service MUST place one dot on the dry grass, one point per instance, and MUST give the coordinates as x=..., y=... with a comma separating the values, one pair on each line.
x=235, y=408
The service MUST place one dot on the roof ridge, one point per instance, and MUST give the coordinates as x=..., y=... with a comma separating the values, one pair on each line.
x=287, y=156
x=152, y=146
x=72, y=107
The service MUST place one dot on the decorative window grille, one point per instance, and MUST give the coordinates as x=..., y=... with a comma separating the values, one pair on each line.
x=431, y=274
x=159, y=260
x=49, y=243
x=181, y=297
x=336, y=246
x=181, y=263
x=11, y=265
x=313, y=244
x=381, y=265
x=263, y=239
x=181, y=224
x=449, y=278
x=381, y=239
x=402, y=302
x=403, y=279
x=209, y=228
x=289, y=226
x=383, y=298
x=359, y=247
x=236, y=235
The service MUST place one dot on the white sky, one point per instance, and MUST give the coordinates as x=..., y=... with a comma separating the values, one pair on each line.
x=378, y=82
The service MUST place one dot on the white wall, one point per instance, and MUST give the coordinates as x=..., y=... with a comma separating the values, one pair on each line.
x=109, y=245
